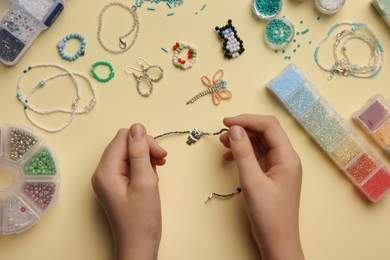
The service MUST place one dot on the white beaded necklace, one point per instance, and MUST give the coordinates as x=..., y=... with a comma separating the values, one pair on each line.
x=122, y=43
x=73, y=111
x=344, y=65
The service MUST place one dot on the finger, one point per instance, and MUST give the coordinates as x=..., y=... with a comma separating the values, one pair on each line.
x=224, y=139
x=273, y=135
x=156, y=151
x=116, y=153
x=249, y=169
x=228, y=156
x=139, y=155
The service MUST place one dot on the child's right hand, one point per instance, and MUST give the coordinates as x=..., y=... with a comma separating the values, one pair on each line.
x=270, y=175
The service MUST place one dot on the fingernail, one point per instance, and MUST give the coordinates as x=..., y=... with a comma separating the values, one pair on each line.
x=236, y=133
x=137, y=131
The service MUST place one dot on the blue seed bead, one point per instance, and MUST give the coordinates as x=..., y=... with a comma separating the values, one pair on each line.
x=268, y=7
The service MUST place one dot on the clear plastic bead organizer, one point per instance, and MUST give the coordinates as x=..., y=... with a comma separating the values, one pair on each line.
x=29, y=179
x=22, y=24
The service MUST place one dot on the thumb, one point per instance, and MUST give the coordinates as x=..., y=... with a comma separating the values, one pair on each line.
x=248, y=167
x=139, y=154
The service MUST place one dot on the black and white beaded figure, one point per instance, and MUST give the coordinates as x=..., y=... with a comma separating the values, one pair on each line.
x=232, y=44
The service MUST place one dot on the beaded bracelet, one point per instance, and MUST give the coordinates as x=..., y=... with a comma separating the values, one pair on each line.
x=62, y=43
x=342, y=63
x=102, y=63
x=180, y=63
x=192, y=138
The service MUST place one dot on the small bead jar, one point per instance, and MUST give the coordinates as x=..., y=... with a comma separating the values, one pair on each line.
x=267, y=9
x=278, y=33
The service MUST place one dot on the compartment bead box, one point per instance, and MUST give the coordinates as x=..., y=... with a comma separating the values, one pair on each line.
x=33, y=179
x=336, y=138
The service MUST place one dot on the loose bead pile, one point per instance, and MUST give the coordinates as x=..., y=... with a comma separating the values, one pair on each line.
x=233, y=45
x=20, y=142
x=40, y=193
x=191, y=55
x=62, y=43
x=110, y=76
x=41, y=164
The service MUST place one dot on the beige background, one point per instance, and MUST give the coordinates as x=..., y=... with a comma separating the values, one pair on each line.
x=336, y=221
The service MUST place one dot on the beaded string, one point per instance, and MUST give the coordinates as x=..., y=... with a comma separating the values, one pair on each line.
x=73, y=111
x=194, y=136
x=344, y=66
x=134, y=29
x=223, y=196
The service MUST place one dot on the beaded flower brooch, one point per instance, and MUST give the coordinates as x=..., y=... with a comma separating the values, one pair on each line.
x=233, y=46
x=216, y=87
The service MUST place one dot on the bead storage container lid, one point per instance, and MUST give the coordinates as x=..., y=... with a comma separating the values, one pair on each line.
x=329, y=6
x=22, y=24
x=267, y=9
x=278, y=33
x=29, y=179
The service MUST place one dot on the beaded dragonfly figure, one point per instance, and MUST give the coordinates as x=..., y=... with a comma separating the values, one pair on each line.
x=216, y=87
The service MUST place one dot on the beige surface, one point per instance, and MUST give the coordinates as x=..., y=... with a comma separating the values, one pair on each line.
x=336, y=221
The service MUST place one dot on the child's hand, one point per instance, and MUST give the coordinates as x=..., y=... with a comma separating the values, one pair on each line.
x=126, y=184
x=270, y=175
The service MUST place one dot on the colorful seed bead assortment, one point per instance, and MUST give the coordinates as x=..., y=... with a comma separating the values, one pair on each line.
x=191, y=55
x=336, y=138
x=374, y=118
x=232, y=44
x=19, y=143
x=34, y=179
x=21, y=25
x=111, y=74
x=278, y=33
x=267, y=9
x=62, y=43
x=42, y=163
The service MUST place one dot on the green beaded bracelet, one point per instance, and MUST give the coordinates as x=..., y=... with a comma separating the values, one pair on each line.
x=103, y=63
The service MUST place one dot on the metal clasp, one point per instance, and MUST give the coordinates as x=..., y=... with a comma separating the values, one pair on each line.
x=122, y=43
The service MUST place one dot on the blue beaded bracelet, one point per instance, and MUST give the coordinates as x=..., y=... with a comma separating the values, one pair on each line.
x=62, y=43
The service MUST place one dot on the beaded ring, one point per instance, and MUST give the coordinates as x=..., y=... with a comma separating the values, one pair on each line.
x=62, y=43
x=180, y=63
x=102, y=63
